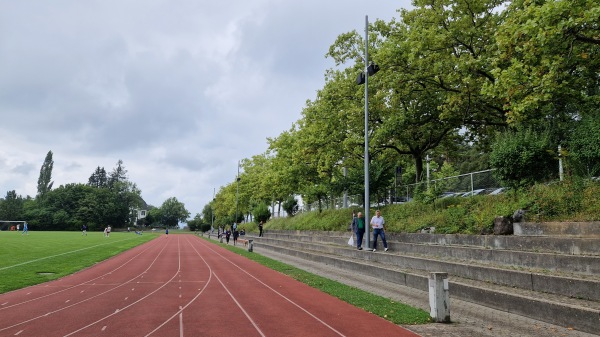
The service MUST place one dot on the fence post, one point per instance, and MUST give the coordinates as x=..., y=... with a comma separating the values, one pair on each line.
x=439, y=297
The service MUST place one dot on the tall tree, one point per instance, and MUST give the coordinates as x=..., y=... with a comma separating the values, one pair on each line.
x=548, y=60
x=11, y=207
x=173, y=212
x=118, y=175
x=45, y=179
x=99, y=178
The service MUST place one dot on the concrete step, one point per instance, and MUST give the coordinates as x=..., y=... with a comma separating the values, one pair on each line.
x=529, y=301
x=584, y=287
x=573, y=229
x=478, y=250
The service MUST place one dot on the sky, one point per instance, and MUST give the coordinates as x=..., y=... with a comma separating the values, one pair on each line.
x=179, y=90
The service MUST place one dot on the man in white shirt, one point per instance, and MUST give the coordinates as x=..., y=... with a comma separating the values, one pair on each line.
x=377, y=223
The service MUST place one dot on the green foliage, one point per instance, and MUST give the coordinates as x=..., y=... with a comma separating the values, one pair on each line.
x=172, y=212
x=584, y=147
x=290, y=206
x=522, y=158
x=12, y=207
x=261, y=212
x=571, y=200
x=45, y=182
x=196, y=223
x=556, y=200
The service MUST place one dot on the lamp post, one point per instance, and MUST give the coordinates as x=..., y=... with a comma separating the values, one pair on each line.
x=363, y=78
x=237, y=192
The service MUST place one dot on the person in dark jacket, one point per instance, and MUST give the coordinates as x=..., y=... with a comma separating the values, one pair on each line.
x=358, y=227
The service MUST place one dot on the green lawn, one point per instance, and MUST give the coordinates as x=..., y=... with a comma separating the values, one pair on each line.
x=39, y=257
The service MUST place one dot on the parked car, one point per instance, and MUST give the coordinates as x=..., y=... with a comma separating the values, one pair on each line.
x=474, y=192
x=498, y=191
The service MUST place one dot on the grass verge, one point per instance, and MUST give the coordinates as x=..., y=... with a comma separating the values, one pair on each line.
x=395, y=312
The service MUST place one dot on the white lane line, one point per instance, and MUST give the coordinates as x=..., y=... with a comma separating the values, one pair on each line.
x=240, y=306
x=5, y=303
x=103, y=328
x=77, y=285
x=51, y=256
x=200, y=292
x=278, y=293
x=83, y=301
x=133, y=303
x=18, y=333
x=181, y=325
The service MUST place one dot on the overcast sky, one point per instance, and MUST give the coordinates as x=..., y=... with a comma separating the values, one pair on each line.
x=179, y=90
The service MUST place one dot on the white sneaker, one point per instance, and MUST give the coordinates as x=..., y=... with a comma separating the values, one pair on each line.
x=374, y=250
x=386, y=249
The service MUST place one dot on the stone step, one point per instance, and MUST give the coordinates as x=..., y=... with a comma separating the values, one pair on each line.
x=576, y=287
x=567, y=245
x=556, y=309
x=573, y=229
x=578, y=266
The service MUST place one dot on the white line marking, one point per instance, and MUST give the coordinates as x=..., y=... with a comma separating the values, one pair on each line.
x=181, y=325
x=103, y=328
x=51, y=256
x=5, y=303
x=18, y=333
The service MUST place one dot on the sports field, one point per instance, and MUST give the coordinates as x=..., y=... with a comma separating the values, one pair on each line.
x=44, y=256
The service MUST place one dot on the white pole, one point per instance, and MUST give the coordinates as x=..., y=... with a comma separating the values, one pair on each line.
x=560, y=164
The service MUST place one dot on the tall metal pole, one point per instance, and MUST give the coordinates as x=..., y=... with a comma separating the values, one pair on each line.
x=237, y=192
x=367, y=201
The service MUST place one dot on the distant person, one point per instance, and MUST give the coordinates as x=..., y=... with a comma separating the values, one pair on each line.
x=84, y=230
x=227, y=235
x=260, y=229
x=377, y=223
x=18, y=226
x=167, y=231
x=358, y=227
x=105, y=232
x=25, y=228
x=108, y=231
x=236, y=234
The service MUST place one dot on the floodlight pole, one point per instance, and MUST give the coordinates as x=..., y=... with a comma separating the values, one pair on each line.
x=367, y=201
x=237, y=192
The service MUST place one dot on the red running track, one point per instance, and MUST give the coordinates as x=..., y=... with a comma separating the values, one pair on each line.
x=182, y=286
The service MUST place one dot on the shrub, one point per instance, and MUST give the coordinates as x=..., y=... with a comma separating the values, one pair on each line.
x=523, y=158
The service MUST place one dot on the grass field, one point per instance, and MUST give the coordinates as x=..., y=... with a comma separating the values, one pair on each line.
x=39, y=257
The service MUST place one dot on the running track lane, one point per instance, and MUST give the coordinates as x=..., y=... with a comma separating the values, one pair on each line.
x=182, y=286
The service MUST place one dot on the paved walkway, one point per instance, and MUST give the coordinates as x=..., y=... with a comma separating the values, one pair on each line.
x=468, y=319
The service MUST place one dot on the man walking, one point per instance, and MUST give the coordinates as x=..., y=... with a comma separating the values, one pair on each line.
x=377, y=223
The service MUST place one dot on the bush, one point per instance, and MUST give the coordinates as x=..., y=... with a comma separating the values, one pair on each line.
x=261, y=212
x=523, y=158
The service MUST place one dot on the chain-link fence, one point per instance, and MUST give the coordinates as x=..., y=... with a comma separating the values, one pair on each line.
x=474, y=183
